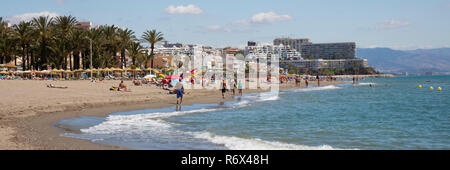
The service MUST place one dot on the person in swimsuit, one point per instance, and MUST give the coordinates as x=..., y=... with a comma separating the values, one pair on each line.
x=180, y=91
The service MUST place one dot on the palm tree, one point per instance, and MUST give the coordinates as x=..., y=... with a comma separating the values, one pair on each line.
x=7, y=43
x=110, y=44
x=135, y=52
x=64, y=26
x=43, y=27
x=126, y=37
x=58, y=49
x=95, y=35
x=152, y=37
x=24, y=34
x=78, y=43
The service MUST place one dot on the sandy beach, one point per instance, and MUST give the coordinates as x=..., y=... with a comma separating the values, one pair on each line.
x=29, y=109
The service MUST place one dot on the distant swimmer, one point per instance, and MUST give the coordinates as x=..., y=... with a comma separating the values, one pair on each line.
x=370, y=85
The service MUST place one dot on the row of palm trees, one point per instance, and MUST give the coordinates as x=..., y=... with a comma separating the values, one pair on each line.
x=56, y=42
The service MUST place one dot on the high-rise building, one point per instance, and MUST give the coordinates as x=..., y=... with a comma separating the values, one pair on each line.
x=325, y=64
x=285, y=52
x=329, y=51
x=292, y=43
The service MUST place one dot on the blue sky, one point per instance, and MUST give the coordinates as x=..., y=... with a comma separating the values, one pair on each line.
x=399, y=24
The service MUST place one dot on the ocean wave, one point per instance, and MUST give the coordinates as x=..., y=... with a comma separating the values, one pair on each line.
x=364, y=84
x=329, y=87
x=236, y=143
x=138, y=123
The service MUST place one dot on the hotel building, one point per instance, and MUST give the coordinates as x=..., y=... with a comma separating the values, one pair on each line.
x=329, y=51
x=293, y=43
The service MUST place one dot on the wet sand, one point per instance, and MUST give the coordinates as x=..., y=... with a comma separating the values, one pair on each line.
x=29, y=109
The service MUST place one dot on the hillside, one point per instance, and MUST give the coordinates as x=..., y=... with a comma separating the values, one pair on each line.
x=413, y=61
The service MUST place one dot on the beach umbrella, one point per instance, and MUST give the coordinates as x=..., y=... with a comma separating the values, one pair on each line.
x=173, y=77
x=150, y=76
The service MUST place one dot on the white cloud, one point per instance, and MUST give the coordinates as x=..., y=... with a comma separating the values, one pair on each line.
x=392, y=24
x=269, y=17
x=189, y=9
x=217, y=28
x=263, y=17
x=29, y=16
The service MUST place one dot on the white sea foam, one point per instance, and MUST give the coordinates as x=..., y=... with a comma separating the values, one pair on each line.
x=364, y=84
x=329, y=87
x=236, y=143
x=138, y=123
x=151, y=125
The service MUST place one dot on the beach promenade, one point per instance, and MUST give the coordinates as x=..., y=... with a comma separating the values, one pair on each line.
x=29, y=109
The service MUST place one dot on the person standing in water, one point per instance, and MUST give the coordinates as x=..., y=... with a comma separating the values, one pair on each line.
x=318, y=80
x=306, y=81
x=180, y=91
x=224, y=88
x=240, y=87
x=234, y=87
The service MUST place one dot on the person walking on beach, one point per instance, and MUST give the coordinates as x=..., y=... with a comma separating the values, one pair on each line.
x=306, y=81
x=224, y=88
x=318, y=80
x=234, y=87
x=180, y=91
x=240, y=86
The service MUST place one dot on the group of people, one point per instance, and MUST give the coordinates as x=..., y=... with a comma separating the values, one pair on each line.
x=235, y=85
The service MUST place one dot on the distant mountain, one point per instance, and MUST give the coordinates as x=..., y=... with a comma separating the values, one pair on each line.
x=387, y=60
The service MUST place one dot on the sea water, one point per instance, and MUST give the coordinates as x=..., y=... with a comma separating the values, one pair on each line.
x=393, y=113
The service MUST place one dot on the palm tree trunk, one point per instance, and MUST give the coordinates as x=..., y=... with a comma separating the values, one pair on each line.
x=122, y=58
x=151, y=54
x=24, y=59
x=28, y=57
x=70, y=62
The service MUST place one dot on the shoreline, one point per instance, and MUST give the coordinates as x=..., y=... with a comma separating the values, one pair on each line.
x=38, y=131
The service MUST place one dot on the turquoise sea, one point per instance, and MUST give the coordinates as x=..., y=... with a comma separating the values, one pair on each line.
x=393, y=114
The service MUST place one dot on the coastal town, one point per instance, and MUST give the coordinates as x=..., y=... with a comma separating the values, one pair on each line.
x=110, y=50
x=84, y=62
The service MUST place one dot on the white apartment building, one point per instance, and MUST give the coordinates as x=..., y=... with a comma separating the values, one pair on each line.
x=285, y=52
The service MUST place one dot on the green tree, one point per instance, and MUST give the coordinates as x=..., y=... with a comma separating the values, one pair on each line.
x=135, y=52
x=44, y=34
x=152, y=37
x=24, y=34
x=63, y=28
x=126, y=37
